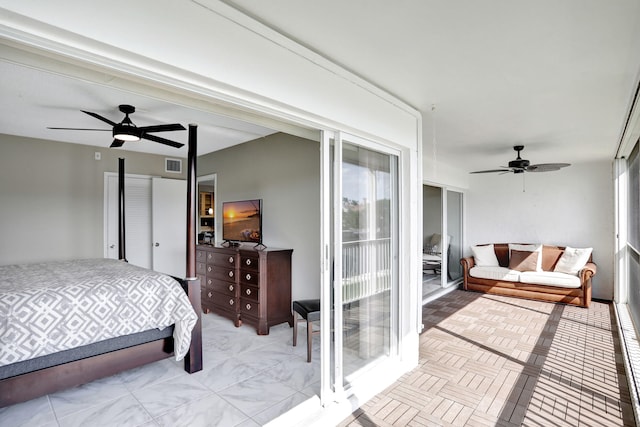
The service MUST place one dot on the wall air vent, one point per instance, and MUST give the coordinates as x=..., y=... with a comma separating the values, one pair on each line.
x=173, y=165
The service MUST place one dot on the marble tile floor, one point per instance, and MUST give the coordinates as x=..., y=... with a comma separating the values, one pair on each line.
x=247, y=380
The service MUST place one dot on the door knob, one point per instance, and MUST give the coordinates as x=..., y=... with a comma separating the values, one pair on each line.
x=157, y=244
x=112, y=246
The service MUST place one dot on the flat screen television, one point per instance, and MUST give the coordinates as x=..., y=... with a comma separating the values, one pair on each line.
x=242, y=221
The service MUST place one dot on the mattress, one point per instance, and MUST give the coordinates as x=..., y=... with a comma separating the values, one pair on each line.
x=51, y=307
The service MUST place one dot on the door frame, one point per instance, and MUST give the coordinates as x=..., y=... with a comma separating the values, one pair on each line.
x=209, y=177
x=332, y=385
x=444, y=282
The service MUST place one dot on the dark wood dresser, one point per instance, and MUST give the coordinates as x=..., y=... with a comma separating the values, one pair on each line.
x=246, y=285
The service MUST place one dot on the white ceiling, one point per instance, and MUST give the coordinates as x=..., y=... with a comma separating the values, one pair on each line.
x=36, y=100
x=557, y=77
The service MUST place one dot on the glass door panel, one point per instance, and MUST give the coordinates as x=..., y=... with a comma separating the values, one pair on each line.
x=454, y=233
x=369, y=234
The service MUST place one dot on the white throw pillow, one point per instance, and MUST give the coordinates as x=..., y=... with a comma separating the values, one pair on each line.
x=435, y=243
x=573, y=260
x=530, y=248
x=485, y=256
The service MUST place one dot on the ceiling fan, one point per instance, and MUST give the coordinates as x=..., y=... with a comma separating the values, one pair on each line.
x=127, y=131
x=520, y=165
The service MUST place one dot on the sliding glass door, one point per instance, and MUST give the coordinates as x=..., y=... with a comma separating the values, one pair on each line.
x=442, y=212
x=362, y=251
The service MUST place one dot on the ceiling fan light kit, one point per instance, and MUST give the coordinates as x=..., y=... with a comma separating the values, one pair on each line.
x=520, y=165
x=127, y=131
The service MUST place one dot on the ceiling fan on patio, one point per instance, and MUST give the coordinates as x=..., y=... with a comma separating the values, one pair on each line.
x=520, y=165
x=126, y=130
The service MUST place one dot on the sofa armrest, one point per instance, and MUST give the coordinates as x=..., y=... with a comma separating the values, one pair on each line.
x=467, y=263
x=587, y=272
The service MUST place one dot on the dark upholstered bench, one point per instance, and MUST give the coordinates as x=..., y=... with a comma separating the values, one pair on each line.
x=309, y=310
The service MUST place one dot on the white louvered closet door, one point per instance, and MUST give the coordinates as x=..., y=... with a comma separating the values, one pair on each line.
x=138, y=219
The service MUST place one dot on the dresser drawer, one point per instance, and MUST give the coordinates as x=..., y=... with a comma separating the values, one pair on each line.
x=223, y=273
x=249, y=307
x=223, y=259
x=226, y=288
x=249, y=263
x=201, y=267
x=249, y=292
x=201, y=256
x=249, y=277
x=224, y=302
x=206, y=298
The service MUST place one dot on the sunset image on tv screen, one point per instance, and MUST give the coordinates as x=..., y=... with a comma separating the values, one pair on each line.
x=241, y=221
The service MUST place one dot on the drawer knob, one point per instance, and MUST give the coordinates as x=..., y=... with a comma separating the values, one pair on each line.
x=248, y=276
x=248, y=291
x=231, y=288
x=230, y=302
x=248, y=306
x=209, y=256
x=209, y=269
x=230, y=260
x=209, y=281
x=210, y=295
x=231, y=274
x=248, y=262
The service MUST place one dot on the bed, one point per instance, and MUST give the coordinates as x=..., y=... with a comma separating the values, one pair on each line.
x=67, y=323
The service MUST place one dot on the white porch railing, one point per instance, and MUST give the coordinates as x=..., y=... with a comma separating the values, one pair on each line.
x=366, y=268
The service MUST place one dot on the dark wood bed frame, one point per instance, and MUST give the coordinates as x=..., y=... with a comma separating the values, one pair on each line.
x=44, y=381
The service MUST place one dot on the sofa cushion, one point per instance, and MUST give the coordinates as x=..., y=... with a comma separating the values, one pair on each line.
x=573, y=260
x=550, y=278
x=495, y=273
x=523, y=260
x=532, y=248
x=484, y=256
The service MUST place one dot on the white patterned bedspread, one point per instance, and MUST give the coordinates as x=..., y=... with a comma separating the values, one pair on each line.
x=55, y=306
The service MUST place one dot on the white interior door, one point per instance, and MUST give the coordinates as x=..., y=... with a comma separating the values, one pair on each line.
x=169, y=224
x=137, y=205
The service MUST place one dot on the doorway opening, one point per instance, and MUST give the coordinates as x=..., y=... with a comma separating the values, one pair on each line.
x=206, y=211
x=441, y=240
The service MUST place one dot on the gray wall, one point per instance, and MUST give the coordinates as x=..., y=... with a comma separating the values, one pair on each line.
x=51, y=197
x=283, y=171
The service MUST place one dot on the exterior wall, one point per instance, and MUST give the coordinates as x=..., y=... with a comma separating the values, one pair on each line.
x=571, y=207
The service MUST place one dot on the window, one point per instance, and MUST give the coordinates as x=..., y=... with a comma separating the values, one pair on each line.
x=633, y=236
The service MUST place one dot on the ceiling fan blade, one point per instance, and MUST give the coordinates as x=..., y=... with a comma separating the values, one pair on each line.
x=99, y=117
x=546, y=167
x=161, y=140
x=116, y=143
x=162, y=128
x=492, y=171
x=106, y=130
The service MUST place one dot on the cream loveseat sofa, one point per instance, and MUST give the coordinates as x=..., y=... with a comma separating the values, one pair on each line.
x=542, y=272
